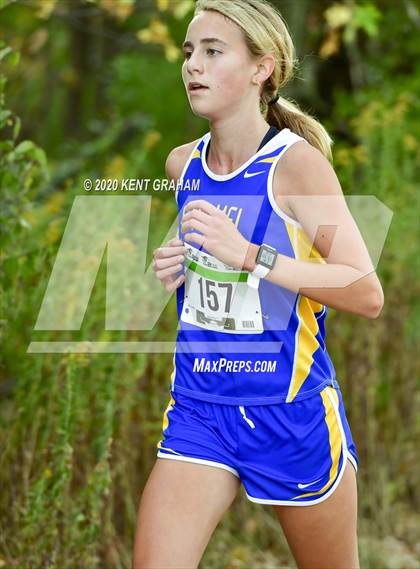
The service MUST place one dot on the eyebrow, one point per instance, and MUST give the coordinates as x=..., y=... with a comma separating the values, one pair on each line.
x=204, y=40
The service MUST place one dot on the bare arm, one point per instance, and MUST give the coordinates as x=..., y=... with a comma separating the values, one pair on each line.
x=341, y=275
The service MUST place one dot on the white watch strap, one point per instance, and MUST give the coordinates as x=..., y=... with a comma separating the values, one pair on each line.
x=258, y=273
x=261, y=271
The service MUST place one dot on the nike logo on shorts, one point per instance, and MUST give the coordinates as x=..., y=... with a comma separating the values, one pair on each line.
x=309, y=483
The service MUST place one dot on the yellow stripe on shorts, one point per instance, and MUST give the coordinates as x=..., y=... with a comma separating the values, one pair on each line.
x=165, y=424
x=334, y=437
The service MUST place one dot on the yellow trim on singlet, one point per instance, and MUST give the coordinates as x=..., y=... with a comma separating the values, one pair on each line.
x=334, y=440
x=306, y=343
x=269, y=160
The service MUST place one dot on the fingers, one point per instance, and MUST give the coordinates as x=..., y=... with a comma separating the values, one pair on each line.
x=168, y=261
x=195, y=224
x=165, y=262
x=177, y=248
x=172, y=270
x=170, y=287
x=198, y=214
x=204, y=205
x=175, y=241
x=196, y=238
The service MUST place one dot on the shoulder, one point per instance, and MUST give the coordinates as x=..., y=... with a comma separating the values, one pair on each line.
x=177, y=159
x=303, y=169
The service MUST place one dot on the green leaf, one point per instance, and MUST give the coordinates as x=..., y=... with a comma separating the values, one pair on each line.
x=40, y=156
x=4, y=115
x=366, y=17
x=14, y=58
x=16, y=128
x=24, y=146
x=5, y=52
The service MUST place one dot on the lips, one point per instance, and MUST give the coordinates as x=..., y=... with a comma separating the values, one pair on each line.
x=195, y=86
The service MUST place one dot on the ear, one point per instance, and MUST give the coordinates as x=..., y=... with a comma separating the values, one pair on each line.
x=265, y=67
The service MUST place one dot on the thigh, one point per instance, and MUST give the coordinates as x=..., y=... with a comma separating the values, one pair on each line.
x=180, y=508
x=324, y=535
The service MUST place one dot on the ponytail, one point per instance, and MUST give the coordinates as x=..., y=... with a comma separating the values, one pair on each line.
x=285, y=114
x=265, y=32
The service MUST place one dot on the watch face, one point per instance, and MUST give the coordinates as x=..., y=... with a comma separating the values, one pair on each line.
x=267, y=257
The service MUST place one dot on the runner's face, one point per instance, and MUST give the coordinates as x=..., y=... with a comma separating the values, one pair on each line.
x=225, y=69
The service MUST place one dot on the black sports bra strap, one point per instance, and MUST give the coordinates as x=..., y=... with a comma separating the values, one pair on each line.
x=271, y=132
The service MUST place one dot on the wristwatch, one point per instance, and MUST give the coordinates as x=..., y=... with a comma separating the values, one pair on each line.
x=266, y=259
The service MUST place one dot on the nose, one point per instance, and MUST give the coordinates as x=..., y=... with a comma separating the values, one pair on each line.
x=193, y=64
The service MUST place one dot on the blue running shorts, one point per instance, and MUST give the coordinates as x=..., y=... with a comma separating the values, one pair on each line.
x=286, y=453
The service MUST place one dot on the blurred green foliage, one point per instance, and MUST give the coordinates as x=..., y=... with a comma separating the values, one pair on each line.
x=98, y=88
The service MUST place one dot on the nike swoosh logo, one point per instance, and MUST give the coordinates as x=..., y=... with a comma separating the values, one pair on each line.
x=309, y=484
x=246, y=175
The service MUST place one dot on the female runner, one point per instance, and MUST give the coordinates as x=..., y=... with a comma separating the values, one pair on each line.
x=267, y=244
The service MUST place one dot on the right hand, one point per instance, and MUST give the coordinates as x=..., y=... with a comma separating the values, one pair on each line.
x=167, y=263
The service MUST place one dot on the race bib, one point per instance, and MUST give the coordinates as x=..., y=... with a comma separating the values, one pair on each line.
x=217, y=296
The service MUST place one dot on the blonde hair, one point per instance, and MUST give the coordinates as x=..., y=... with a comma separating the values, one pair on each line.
x=264, y=32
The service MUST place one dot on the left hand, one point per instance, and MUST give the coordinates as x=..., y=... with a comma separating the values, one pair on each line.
x=219, y=236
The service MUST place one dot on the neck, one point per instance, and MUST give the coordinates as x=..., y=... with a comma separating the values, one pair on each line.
x=233, y=143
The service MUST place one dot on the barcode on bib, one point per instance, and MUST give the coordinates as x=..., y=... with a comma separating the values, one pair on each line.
x=248, y=323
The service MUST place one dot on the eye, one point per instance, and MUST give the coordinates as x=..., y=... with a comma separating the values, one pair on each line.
x=209, y=50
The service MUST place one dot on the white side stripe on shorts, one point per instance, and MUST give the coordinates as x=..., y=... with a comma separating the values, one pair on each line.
x=246, y=418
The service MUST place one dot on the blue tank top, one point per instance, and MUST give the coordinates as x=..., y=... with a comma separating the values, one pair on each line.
x=236, y=344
